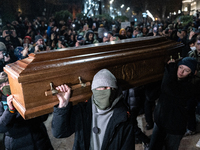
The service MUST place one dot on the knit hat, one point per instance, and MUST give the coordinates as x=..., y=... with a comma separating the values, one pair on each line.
x=2, y=46
x=190, y=62
x=3, y=77
x=104, y=78
x=37, y=37
x=28, y=37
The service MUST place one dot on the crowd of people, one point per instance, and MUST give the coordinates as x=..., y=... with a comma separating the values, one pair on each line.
x=176, y=112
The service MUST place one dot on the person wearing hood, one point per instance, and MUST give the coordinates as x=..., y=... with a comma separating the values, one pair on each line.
x=90, y=38
x=170, y=114
x=20, y=134
x=101, y=123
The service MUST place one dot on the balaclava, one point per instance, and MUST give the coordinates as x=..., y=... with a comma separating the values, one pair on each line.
x=6, y=90
x=104, y=98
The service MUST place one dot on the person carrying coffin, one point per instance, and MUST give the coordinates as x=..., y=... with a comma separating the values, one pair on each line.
x=101, y=123
x=20, y=134
x=170, y=114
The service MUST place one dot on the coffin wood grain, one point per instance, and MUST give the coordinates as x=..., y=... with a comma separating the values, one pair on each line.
x=134, y=62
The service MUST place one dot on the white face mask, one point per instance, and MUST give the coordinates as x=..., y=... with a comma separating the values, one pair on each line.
x=193, y=48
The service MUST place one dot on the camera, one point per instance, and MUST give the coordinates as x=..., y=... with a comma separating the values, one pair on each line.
x=41, y=47
x=8, y=32
x=25, y=45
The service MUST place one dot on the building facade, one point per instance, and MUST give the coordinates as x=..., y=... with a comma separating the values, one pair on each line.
x=190, y=6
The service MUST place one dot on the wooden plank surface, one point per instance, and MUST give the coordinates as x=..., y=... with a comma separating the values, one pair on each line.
x=134, y=62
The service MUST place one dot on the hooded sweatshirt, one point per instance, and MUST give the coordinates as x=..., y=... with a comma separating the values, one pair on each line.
x=100, y=118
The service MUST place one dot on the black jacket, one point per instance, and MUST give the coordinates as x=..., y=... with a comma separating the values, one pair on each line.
x=78, y=119
x=170, y=113
x=23, y=134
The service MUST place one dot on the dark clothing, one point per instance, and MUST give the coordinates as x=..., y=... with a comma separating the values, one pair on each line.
x=161, y=138
x=23, y=134
x=41, y=48
x=71, y=43
x=122, y=37
x=170, y=112
x=191, y=107
x=42, y=29
x=134, y=101
x=152, y=93
x=90, y=22
x=2, y=65
x=78, y=119
x=192, y=102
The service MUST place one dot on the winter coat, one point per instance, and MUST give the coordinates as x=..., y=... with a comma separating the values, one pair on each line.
x=77, y=119
x=197, y=57
x=23, y=134
x=170, y=113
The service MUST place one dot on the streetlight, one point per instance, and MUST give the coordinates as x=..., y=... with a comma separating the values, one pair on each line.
x=111, y=1
x=122, y=5
x=128, y=8
x=150, y=15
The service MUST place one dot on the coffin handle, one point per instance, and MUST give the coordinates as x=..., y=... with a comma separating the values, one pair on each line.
x=179, y=56
x=171, y=57
x=73, y=87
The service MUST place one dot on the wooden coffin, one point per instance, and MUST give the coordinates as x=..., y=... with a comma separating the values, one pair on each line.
x=134, y=62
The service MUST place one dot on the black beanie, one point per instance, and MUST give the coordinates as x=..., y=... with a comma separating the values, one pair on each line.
x=190, y=62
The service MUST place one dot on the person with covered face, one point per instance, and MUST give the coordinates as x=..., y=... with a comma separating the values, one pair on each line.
x=101, y=123
x=170, y=114
x=20, y=134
